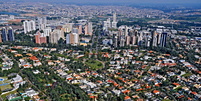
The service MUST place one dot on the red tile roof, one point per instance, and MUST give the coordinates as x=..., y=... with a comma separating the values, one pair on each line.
x=126, y=98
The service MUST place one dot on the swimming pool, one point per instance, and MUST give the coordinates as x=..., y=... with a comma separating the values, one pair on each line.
x=1, y=79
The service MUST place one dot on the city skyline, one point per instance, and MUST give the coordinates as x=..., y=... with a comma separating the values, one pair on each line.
x=113, y=1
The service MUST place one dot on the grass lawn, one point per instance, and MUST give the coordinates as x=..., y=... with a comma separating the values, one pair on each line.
x=1, y=65
x=4, y=96
x=94, y=64
x=187, y=75
x=3, y=87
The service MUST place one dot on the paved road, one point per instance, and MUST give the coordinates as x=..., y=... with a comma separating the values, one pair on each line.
x=98, y=40
x=93, y=38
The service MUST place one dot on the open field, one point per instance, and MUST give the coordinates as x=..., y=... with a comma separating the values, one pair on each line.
x=94, y=64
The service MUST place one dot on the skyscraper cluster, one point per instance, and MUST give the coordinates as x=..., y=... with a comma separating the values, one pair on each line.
x=69, y=32
x=7, y=34
x=29, y=26
x=129, y=37
x=107, y=24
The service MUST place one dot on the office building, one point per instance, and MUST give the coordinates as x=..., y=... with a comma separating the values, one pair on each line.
x=4, y=34
x=11, y=34
x=163, y=40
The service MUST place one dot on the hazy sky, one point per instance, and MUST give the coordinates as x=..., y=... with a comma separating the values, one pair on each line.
x=121, y=1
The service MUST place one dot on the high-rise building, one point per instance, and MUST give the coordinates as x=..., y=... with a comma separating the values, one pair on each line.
x=47, y=31
x=32, y=25
x=122, y=41
x=79, y=28
x=68, y=27
x=133, y=40
x=62, y=33
x=114, y=25
x=159, y=38
x=147, y=40
x=140, y=37
x=29, y=26
x=40, y=39
x=26, y=26
x=114, y=17
x=43, y=40
x=55, y=36
x=114, y=22
x=115, y=42
x=4, y=34
x=67, y=39
x=42, y=21
x=0, y=38
x=74, y=39
x=11, y=34
x=90, y=28
x=120, y=33
x=86, y=29
x=163, y=40
x=75, y=30
x=59, y=33
x=126, y=31
x=128, y=40
x=154, y=39
x=106, y=24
